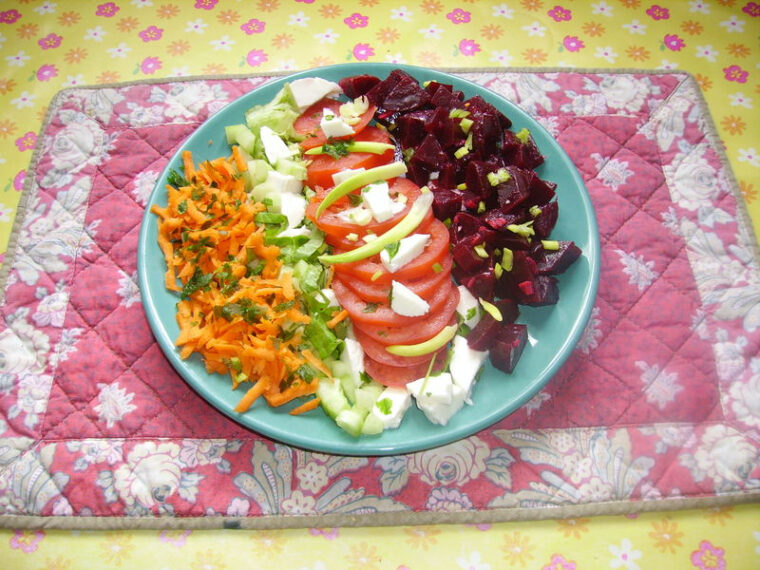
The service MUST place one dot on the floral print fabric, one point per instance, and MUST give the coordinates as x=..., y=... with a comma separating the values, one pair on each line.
x=658, y=402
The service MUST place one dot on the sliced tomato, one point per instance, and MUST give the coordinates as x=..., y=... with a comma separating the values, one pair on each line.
x=321, y=167
x=381, y=314
x=377, y=352
x=337, y=229
x=421, y=331
x=399, y=376
x=419, y=267
x=425, y=287
x=307, y=124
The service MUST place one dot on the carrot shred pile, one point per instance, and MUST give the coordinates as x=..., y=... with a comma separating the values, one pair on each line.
x=237, y=308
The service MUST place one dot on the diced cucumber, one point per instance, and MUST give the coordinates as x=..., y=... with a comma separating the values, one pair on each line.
x=291, y=167
x=259, y=169
x=372, y=425
x=351, y=420
x=241, y=135
x=349, y=387
x=367, y=395
x=331, y=397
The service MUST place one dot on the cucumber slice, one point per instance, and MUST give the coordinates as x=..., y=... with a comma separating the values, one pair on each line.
x=351, y=420
x=372, y=425
x=241, y=135
x=349, y=388
x=332, y=398
x=367, y=395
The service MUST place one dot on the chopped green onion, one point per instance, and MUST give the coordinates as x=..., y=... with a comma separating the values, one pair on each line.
x=498, y=270
x=550, y=244
x=437, y=267
x=480, y=251
x=507, y=259
x=461, y=152
x=491, y=309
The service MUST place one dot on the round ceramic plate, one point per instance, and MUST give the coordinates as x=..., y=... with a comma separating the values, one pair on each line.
x=553, y=330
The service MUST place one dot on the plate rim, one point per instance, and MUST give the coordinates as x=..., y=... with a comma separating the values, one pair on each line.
x=373, y=446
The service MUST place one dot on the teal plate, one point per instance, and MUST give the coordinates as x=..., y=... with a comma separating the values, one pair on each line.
x=553, y=331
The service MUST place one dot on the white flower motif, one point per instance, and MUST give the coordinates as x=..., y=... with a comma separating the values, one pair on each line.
x=660, y=386
x=749, y=155
x=327, y=37
x=613, y=172
x=624, y=555
x=606, y=53
x=401, y=13
x=5, y=213
x=51, y=310
x=286, y=64
x=432, y=32
x=114, y=402
x=699, y=6
x=46, y=8
x=707, y=52
x=756, y=534
x=502, y=11
x=196, y=26
x=738, y=99
x=636, y=27
x=238, y=507
x=73, y=80
x=535, y=29
x=95, y=34
x=2, y=40
x=128, y=289
x=536, y=402
x=473, y=561
x=120, y=50
x=299, y=19
x=725, y=455
x=668, y=65
x=18, y=59
x=151, y=474
x=590, y=338
x=299, y=504
x=224, y=43
x=313, y=476
x=640, y=272
x=733, y=24
x=183, y=71
x=502, y=57
x=142, y=3
x=24, y=100
x=602, y=8
x=746, y=398
x=395, y=58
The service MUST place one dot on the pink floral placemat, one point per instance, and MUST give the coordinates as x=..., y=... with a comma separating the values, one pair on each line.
x=657, y=408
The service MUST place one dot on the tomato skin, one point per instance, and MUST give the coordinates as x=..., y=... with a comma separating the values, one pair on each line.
x=307, y=124
x=337, y=229
x=399, y=376
x=420, y=266
x=421, y=331
x=382, y=315
x=424, y=287
x=321, y=167
x=377, y=352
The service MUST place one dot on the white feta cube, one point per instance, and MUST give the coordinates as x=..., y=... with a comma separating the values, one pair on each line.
x=342, y=175
x=333, y=125
x=437, y=397
x=468, y=307
x=377, y=198
x=464, y=364
x=274, y=147
x=406, y=302
x=409, y=248
x=293, y=206
x=309, y=90
x=280, y=183
x=391, y=406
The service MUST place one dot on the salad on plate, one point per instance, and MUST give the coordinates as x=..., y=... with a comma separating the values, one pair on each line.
x=365, y=247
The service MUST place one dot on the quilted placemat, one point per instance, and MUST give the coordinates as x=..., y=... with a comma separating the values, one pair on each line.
x=657, y=408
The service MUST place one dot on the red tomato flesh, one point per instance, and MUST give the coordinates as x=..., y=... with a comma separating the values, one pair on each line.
x=399, y=376
x=419, y=267
x=321, y=167
x=307, y=124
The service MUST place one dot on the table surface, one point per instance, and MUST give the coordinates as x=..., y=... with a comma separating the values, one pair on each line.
x=47, y=46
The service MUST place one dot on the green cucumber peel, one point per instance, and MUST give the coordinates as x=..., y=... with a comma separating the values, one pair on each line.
x=431, y=345
x=413, y=218
x=357, y=146
x=360, y=179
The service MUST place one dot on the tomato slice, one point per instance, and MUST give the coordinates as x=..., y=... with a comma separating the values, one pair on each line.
x=307, y=124
x=421, y=331
x=337, y=229
x=321, y=167
x=399, y=376
x=373, y=292
x=419, y=267
x=381, y=314
x=377, y=352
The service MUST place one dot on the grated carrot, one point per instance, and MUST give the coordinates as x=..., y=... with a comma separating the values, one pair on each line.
x=238, y=309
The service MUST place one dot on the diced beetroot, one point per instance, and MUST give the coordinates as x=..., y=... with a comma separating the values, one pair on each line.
x=522, y=155
x=430, y=154
x=508, y=346
x=398, y=92
x=515, y=190
x=487, y=134
x=358, y=85
x=448, y=99
x=410, y=128
x=446, y=203
x=544, y=292
x=541, y=191
x=483, y=334
x=498, y=220
x=418, y=173
x=511, y=284
x=503, y=239
x=463, y=224
x=482, y=284
x=479, y=106
x=531, y=155
x=433, y=87
x=545, y=221
x=465, y=256
x=476, y=177
x=509, y=310
x=446, y=130
x=554, y=262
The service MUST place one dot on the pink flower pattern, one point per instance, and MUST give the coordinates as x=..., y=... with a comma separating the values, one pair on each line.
x=27, y=141
x=107, y=10
x=253, y=26
x=256, y=57
x=46, y=72
x=151, y=34
x=459, y=16
x=560, y=14
x=735, y=73
x=50, y=41
x=150, y=65
x=673, y=42
x=708, y=557
x=468, y=47
x=362, y=52
x=572, y=43
x=356, y=20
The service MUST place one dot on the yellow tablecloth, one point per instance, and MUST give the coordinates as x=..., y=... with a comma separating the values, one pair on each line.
x=49, y=45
